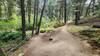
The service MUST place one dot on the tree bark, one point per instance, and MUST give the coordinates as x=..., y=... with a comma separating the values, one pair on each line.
x=77, y=12
x=65, y=12
x=23, y=20
x=87, y=10
x=39, y=24
x=10, y=9
x=37, y=2
x=29, y=10
x=33, y=29
x=0, y=11
x=93, y=9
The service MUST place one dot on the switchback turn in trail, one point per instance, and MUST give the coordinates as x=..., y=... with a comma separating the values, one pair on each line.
x=63, y=44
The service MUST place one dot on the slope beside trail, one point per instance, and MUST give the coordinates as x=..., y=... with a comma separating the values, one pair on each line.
x=63, y=44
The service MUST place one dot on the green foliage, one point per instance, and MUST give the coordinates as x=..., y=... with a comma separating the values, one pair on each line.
x=9, y=40
x=8, y=36
x=12, y=24
x=98, y=12
x=58, y=24
x=42, y=30
x=76, y=29
x=15, y=24
x=48, y=25
x=28, y=27
x=2, y=54
x=92, y=34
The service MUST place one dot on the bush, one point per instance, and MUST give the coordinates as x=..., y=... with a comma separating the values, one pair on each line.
x=12, y=24
x=58, y=24
x=42, y=30
x=8, y=36
x=93, y=35
x=76, y=29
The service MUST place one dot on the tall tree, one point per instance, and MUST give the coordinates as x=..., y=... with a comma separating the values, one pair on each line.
x=93, y=7
x=65, y=12
x=0, y=10
x=10, y=4
x=87, y=10
x=39, y=24
x=62, y=10
x=34, y=19
x=82, y=7
x=77, y=12
x=29, y=10
x=23, y=19
x=37, y=12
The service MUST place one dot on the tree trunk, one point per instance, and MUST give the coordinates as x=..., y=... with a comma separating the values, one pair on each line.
x=0, y=11
x=77, y=13
x=82, y=7
x=34, y=20
x=10, y=9
x=87, y=10
x=37, y=2
x=39, y=24
x=65, y=12
x=29, y=10
x=23, y=19
x=93, y=9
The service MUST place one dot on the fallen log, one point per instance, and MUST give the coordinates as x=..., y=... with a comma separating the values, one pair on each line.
x=96, y=26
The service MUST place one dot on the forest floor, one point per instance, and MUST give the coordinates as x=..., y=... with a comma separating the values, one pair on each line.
x=59, y=42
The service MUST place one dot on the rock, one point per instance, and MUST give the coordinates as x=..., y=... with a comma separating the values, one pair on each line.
x=50, y=39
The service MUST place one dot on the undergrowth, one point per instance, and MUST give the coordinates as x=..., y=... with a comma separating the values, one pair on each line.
x=93, y=34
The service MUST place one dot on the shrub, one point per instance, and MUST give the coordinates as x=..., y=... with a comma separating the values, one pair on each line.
x=58, y=24
x=7, y=36
x=92, y=34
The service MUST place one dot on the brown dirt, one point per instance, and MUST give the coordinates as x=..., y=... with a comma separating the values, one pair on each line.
x=63, y=44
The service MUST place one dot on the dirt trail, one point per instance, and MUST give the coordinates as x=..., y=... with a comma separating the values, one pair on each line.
x=63, y=44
